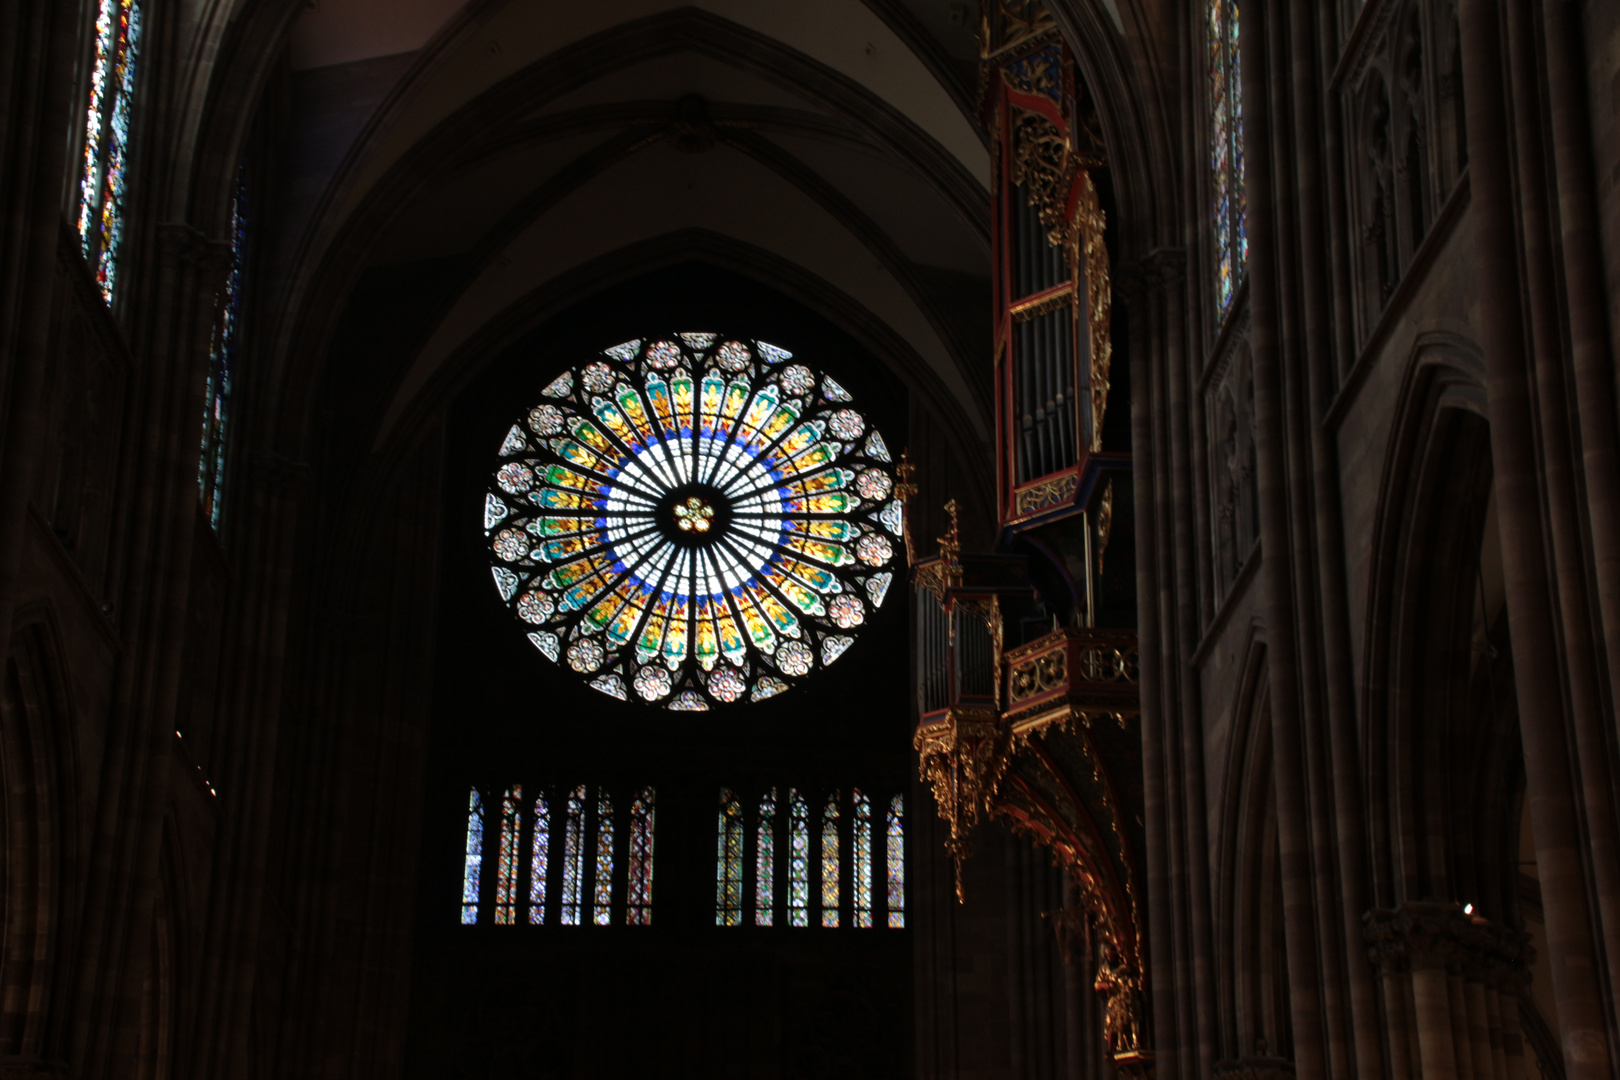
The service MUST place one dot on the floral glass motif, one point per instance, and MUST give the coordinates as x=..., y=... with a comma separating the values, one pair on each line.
x=222, y=367
x=573, y=871
x=895, y=850
x=638, y=904
x=106, y=139
x=1229, y=208
x=604, y=860
x=538, y=849
x=765, y=860
x=798, y=860
x=860, y=861
x=506, y=870
x=475, y=859
x=729, y=872
x=681, y=521
x=829, y=862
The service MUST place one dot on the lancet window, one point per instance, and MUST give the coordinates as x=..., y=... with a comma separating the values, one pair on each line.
x=823, y=845
x=729, y=875
x=1227, y=210
x=104, y=172
x=222, y=355
x=565, y=856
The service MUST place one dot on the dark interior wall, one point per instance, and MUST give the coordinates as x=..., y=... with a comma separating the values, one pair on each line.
x=681, y=994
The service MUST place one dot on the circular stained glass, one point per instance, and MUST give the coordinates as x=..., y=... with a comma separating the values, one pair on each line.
x=693, y=520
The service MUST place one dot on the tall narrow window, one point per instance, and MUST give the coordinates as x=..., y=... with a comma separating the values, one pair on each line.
x=222, y=366
x=475, y=858
x=729, y=876
x=895, y=853
x=1226, y=149
x=538, y=848
x=106, y=139
x=798, y=860
x=860, y=861
x=638, y=905
x=604, y=859
x=829, y=862
x=506, y=870
x=573, y=874
x=765, y=860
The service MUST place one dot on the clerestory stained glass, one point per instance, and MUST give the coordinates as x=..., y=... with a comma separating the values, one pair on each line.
x=895, y=852
x=829, y=862
x=538, y=849
x=222, y=366
x=506, y=869
x=1226, y=149
x=860, y=860
x=638, y=904
x=693, y=521
x=573, y=869
x=473, y=866
x=729, y=859
x=765, y=860
x=106, y=139
x=798, y=860
x=603, y=914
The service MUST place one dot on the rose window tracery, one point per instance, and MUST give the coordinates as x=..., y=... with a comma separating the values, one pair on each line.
x=693, y=520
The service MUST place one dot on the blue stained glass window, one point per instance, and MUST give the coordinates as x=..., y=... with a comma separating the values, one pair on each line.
x=538, y=848
x=829, y=862
x=604, y=860
x=729, y=857
x=860, y=869
x=798, y=860
x=475, y=859
x=506, y=867
x=573, y=871
x=106, y=139
x=1228, y=209
x=895, y=852
x=692, y=522
x=638, y=905
x=765, y=860
x=222, y=366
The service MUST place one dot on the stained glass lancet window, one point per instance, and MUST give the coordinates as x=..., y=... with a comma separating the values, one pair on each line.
x=729, y=871
x=860, y=861
x=692, y=521
x=538, y=847
x=895, y=854
x=798, y=860
x=1226, y=149
x=604, y=859
x=222, y=367
x=573, y=870
x=106, y=139
x=506, y=869
x=474, y=863
x=638, y=904
x=765, y=860
x=829, y=862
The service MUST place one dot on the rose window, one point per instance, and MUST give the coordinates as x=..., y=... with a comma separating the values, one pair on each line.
x=693, y=520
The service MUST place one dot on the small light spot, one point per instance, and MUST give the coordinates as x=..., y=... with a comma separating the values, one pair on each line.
x=1468, y=909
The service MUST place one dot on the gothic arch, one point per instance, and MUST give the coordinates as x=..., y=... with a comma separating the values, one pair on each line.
x=1251, y=951
x=39, y=839
x=1427, y=752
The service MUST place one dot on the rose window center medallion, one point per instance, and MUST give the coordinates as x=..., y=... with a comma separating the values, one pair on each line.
x=693, y=520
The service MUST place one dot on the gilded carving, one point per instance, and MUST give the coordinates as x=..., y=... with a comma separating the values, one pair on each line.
x=1090, y=223
x=1105, y=523
x=1051, y=492
x=961, y=755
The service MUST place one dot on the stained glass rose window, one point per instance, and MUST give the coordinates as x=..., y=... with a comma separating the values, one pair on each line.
x=692, y=520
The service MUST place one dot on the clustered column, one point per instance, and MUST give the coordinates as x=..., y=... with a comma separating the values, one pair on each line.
x=1451, y=982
